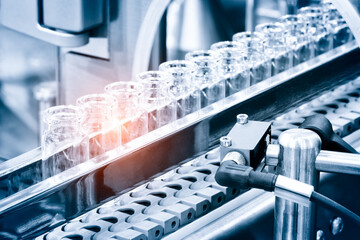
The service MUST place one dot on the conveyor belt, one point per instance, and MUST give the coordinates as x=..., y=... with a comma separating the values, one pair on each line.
x=179, y=196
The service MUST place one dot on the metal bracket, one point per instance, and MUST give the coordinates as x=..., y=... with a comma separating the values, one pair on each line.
x=24, y=16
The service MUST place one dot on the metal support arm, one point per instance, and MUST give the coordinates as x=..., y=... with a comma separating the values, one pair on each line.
x=338, y=162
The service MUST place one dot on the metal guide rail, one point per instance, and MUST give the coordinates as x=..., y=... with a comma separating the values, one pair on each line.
x=178, y=197
x=38, y=206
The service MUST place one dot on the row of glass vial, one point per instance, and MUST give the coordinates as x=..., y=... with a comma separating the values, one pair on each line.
x=298, y=38
x=131, y=109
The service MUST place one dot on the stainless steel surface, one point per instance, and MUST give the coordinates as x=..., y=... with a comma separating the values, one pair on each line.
x=24, y=16
x=337, y=162
x=298, y=151
x=73, y=16
x=293, y=190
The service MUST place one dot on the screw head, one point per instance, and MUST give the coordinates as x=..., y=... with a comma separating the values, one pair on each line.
x=225, y=141
x=320, y=235
x=337, y=225
x=242, y=119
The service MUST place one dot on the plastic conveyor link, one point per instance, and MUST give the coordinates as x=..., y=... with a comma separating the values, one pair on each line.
x=340, y=105
x=157, y=208
x=188, y=192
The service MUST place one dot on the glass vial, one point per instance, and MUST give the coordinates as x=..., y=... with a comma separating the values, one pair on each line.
x=130, y=109
x=232, y=66
x=182, y=87
x=158, y=102
x=275, y=46
x=100, y=123
x=337, y=25
x=63, y=143
x=296, y=39
x=259, y=63
x=250, y=39
x=322, y=39
x=206, y=76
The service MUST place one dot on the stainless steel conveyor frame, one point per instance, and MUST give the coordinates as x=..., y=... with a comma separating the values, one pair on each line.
x=83, y=187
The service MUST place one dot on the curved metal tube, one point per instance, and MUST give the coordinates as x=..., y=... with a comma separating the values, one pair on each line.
x=147, y=34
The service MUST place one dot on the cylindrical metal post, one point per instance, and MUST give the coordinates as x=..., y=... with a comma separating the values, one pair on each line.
x=298, y=151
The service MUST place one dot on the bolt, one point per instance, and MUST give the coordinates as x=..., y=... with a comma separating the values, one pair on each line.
x=242, y=119
x=225, y=141
x=320, y=235
x=236, y=157
x=337, y=225
x=272, y=155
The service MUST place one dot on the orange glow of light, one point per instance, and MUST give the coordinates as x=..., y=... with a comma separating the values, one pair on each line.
x=108, y=138
x=133, y=128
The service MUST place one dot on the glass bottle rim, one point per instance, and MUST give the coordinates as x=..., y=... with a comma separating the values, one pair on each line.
x=177, y=65
x=226, y=44
x=97, y=101
x=231, y=54
x=271, y=29
x=310, y=10
x=237, y=37
x=311, y=13
x=62, y=113
x=292, y=20
x=126, y=87
x=154, y=77
x=202, y=55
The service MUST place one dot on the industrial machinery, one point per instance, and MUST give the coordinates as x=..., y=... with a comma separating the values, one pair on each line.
x=127, y=151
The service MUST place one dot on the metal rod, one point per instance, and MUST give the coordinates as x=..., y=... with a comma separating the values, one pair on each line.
x=337, y=162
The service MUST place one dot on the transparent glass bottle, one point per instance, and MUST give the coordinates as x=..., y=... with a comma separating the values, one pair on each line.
x=63, y=143
x=100, y=122
x=130, y=109
x=232, y=66
x=337, y=25
x=322, y=39
x=158, y=102
x=182, y=86
x=296, y=38
x=259, y=63
x=275, y=46
x=250, y=39
x=206, y=76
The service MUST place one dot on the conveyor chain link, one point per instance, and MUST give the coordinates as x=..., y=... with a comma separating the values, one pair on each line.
x=188, y=192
